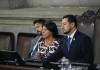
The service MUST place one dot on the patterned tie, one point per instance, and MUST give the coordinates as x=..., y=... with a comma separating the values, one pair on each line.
x=68, y=43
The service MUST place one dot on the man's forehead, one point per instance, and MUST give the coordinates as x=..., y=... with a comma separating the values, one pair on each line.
x=38, y=24
x=65, y=19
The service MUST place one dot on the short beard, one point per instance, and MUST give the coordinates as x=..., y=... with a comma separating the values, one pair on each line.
x=66, y=32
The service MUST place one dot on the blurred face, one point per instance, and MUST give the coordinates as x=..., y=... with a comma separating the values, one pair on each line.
x=66, y=26
x=46, y=33
x=38, y=28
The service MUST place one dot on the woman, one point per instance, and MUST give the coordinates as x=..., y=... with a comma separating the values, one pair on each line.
x=49, y=42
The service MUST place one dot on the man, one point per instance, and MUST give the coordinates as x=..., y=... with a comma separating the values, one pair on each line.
x=38, y=24
x=75, y=46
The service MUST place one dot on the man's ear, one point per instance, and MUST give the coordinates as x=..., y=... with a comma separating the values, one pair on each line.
x=73, y=24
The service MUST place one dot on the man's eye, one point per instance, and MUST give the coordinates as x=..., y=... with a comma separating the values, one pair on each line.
x=37, y=27
x=44, y=29
x=64, y=24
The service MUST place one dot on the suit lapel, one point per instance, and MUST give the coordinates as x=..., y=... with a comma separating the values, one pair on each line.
x=74, y=42
x=65, y=45
x=73, y=45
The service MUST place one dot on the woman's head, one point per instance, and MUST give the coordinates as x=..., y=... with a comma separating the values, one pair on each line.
x=49, y=29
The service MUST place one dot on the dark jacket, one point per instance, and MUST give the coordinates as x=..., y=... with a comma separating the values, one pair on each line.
x=81, y=50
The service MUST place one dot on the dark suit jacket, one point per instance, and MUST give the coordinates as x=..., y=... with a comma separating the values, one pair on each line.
x=81, y=50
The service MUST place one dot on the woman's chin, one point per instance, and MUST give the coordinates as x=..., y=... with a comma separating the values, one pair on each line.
x=43, y=37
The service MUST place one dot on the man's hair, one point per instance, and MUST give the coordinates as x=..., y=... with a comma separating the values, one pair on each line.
x=40, y=21
x=71, y=18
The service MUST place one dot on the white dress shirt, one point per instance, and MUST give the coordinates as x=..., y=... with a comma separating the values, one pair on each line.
x=72, y=36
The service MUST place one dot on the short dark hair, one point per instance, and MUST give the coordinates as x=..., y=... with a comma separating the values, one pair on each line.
x=40, y=21
x=71, y=18
x=52, y=27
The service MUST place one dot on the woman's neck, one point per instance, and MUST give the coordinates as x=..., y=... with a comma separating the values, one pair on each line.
x=49, y=40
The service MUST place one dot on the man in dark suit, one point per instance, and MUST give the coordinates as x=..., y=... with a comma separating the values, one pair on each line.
x=75, y=46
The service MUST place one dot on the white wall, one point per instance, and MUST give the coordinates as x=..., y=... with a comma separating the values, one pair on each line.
x=4, y=4
x=11, y=4
x=46, y=3
x=90, y=3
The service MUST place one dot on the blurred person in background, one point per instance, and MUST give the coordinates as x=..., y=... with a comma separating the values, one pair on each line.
x=38, y=25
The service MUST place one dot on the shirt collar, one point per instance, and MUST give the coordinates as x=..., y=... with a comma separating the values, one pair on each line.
x=72, y=35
